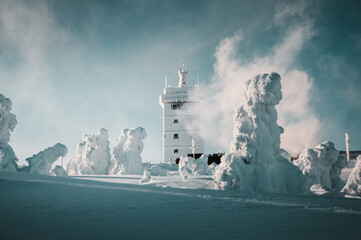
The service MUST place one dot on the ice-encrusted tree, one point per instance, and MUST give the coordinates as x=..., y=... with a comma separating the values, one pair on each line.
x=322, y=165
x=127, y=152
x=353, y=185
x=254, y=162
x=191, y=166
x=92, y=155
x=7, y=124
x=41, y=163
x=118, y=163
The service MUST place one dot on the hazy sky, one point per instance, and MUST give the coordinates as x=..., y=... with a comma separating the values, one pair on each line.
x=72, y=67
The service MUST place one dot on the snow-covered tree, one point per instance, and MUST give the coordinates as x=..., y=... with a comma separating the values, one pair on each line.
x=7, y=124
x=118, y=163
x=41, y=163
x=322, y=165
x=353, y=185
x=190, y=166
x=254, y=162
x=127, y=158
x=92, y=155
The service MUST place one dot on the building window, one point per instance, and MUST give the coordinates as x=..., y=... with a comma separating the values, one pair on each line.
x=176, y=105
x=175, y=121
x=175, y=136
x=175, y=151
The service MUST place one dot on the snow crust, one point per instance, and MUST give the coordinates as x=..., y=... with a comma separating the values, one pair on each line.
x=41, y=163
x=92, y=155
x=195, y=167
x=8, y=159
x=127, y=152
x=353, y=184
x=255, y=163
x=322, y=165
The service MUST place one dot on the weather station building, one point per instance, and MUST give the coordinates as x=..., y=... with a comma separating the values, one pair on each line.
x=180, y=126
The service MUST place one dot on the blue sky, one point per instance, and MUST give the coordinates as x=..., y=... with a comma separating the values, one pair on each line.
x=72, y=67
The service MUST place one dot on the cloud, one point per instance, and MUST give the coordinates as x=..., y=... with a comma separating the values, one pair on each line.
x=219, y=99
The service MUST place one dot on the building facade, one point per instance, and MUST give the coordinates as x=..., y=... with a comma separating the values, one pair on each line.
x=180, y=125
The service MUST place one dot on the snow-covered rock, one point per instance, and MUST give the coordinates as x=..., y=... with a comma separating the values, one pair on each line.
x=322, y=165
x=353, y=185
x=42, y=162
x=146, y=177
x=92, y=155
x=58, y=171
x=127, y=158
x=7, y=124
x=196, y=167
x=255, y=163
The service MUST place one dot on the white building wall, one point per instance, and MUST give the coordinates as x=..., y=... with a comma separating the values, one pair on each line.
x=178, y=135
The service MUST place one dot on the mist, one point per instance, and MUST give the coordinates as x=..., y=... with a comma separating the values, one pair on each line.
x=218, y=99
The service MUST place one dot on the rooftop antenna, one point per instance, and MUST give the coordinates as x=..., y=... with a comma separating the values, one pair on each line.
x=197, y=80
x=166, y=81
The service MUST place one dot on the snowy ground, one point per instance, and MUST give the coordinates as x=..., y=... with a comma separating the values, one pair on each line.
x=107, y=207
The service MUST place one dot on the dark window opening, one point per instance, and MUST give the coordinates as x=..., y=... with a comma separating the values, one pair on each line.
x=175, y=151
x=176, y=105
x=175, y=121
x=175, y=136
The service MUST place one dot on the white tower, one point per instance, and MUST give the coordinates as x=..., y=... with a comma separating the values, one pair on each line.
x=180, y=127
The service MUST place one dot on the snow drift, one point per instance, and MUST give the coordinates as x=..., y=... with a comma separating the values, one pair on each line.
x=92, y=155
x=127, y=158
x=7, y=124
x=42, y=162
x=353, y=185
x=255, y=163
x=322, y=165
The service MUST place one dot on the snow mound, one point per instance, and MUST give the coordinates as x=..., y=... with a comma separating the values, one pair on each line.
x=127, y=158
x=322, y=165
x=41, y=163
x=146, y=177
x=353, y=185
x=160, y=169
x=194, y=167
x=7, y=124
x=58, y=171
x=92, y=155
x=255, y=163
